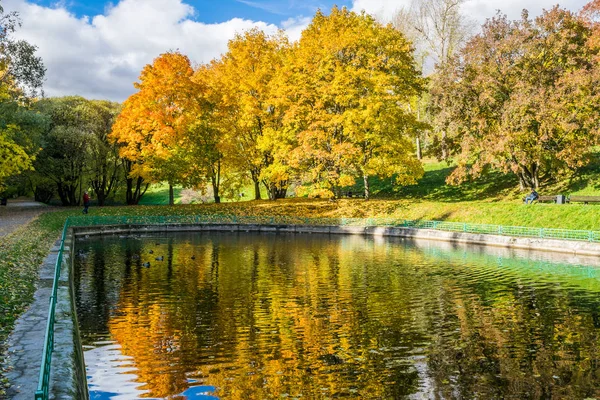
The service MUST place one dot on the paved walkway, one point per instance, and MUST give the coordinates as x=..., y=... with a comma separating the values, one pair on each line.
x=26, y=342
x=19, y=212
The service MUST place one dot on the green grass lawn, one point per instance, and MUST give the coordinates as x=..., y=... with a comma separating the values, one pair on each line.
x=158, y=194
x=493, y=187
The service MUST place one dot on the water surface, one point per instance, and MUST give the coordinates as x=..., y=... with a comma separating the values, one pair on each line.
x=264, y=316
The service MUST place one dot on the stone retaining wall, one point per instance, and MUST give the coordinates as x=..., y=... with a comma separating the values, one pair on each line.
x=562, y=246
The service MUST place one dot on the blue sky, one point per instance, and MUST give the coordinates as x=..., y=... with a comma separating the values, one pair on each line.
x=101, y=55
x=213, y=11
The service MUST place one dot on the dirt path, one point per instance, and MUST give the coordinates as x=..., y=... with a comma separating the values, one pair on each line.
x=19, y=212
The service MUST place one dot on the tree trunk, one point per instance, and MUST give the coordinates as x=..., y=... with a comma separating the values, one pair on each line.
x=100, y=196
x=535, y=175
x=62, y=194
x=444, y=144
x=134, y=194
x=522, y=183
x=270, y=190
x=367, y=188
x=216, y=192
x=171, y=195
x=215, y=180
x=281, y=193
x=275, y=192
x=418, y=144
x=72, y=193
x=529, y=177
x=256, y=189
x=103, y=186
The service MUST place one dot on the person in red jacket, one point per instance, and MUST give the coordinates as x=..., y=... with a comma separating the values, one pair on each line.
x=86, y=202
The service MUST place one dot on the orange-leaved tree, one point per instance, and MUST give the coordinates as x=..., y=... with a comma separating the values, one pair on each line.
x=152, y=128
x=523, y=98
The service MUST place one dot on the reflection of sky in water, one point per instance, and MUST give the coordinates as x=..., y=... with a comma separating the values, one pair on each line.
x=199, y=392
x=114, y=378
x=103, y=382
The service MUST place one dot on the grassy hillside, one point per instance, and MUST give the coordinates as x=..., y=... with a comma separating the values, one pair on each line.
x=494, y=186
x=513, y=212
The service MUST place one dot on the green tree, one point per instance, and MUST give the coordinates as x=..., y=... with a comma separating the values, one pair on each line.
x=21, y=78
x=21, y=71
x=104, y=164
x=65, y=145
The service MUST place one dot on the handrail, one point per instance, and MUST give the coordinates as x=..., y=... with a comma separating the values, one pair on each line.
x=489, y=229
x=82, y=221
x=44, y=380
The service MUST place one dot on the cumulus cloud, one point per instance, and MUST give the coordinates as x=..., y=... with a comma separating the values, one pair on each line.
x=479, y=10
x=294, y=26
x=101, y=57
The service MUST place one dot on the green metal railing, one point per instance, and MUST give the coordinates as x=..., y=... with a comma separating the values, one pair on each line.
x=519, y=231
x=44, y=380
x=82, y=221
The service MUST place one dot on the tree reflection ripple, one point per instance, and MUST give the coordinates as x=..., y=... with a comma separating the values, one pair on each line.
x=251, y=316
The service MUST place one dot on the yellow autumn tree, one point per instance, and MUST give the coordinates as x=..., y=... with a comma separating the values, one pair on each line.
x=209, y=148
x=348, y=88
x=246, y=74
x=153, y=125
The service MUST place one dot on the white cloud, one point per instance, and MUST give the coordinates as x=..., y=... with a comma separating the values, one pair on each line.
x=294, y=26
x=102, y=57
x=479, y=10
x=383, y=9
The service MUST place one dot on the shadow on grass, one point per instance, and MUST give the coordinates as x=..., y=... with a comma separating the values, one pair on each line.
x=493, y=186
x=586, y=181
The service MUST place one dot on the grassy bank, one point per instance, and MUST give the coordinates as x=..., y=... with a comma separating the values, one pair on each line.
x=570, y=216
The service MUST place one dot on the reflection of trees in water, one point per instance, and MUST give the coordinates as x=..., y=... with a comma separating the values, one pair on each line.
x=518, y=339
x=349, y=317
x=98, y=276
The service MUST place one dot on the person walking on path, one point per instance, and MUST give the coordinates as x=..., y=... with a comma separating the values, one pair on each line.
x=86, y=202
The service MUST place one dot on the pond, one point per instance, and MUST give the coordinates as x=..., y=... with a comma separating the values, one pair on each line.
x=265, y=316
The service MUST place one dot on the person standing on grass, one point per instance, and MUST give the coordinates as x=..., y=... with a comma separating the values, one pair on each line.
x=86, y=202
x=533, y=196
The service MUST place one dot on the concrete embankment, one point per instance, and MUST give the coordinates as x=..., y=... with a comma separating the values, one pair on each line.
x=561, y=246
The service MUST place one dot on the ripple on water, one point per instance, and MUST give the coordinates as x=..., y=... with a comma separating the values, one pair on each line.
x=277, y=316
